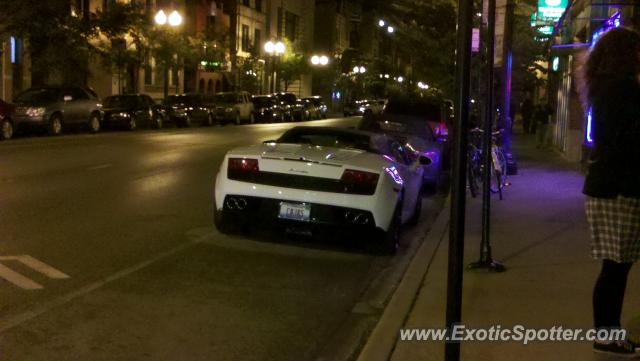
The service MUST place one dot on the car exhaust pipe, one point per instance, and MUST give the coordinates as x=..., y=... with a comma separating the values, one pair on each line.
x=359, y=218
x=234, y=203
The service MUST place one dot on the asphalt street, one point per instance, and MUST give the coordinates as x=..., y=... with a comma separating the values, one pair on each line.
x=108, y=252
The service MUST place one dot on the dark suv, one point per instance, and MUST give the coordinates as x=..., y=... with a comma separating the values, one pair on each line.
x=54, y=108
x=186, y=108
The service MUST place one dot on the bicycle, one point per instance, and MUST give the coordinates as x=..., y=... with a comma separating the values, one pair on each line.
x=475, y=168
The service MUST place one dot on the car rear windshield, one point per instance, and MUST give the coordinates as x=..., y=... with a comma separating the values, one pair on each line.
x=120, y=101
x=40, y=95
x=263, y=102
x=225, y=98
x=427, y=110
x=327, y=138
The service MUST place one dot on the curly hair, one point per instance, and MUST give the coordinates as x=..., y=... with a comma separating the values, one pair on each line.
x=614, y=60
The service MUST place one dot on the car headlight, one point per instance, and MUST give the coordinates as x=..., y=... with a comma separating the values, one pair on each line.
x=35, y=112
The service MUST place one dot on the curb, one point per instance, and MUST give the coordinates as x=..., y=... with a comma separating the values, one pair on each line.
x=383, y=338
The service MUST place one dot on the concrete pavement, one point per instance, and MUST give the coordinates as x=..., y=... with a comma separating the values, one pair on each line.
x=540, y=233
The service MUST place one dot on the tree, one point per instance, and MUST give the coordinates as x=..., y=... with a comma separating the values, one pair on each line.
x=292, y=64
x=58, y=40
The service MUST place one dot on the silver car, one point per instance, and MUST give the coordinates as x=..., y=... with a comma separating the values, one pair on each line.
x=54, y=108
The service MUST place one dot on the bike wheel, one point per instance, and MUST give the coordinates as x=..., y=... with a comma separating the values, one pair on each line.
x=472, y=177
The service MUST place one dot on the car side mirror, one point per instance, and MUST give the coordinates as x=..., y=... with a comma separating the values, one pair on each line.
x=423, y=160
x=67, y=98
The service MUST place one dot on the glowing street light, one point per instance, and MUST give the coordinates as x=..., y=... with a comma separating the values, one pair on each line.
x=275, y=49
x=390, y=29
x=269, y=47
x=381, y=23
x=175, y=19
x=400, y=79
x=321, y=60
x=324, y=60
x=161, y=18
x=279, y=47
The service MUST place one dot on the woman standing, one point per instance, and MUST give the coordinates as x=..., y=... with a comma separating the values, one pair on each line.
x=612, y=184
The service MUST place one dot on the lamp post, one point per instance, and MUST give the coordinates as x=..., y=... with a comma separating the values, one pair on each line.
x=173, y=20
x=275, y=50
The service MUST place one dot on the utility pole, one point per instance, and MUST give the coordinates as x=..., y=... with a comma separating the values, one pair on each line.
x=458, y=190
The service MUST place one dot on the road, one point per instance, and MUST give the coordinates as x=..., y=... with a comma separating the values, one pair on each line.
x=138, y=272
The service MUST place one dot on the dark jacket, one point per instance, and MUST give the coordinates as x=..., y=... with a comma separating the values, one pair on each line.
x=614, y=163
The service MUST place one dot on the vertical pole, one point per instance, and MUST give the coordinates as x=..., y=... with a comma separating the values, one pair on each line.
x=485, y=247
x=458, y=191
x=166, y=78
x=507, y=58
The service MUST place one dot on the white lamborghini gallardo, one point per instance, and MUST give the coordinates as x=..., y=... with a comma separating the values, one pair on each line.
x=321, y=176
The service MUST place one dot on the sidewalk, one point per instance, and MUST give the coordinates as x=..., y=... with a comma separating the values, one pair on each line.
x=539, y=232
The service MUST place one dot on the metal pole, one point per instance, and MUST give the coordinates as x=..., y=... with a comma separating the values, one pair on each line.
x=458, y=191
x=486, y=261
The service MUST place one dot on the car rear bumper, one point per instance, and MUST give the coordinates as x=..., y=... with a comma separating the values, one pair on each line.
x=266, y=211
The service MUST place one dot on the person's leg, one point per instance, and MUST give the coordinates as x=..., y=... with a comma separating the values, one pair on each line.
x=608, y=294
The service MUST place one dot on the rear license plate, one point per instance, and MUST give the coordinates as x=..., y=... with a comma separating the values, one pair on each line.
x=295, y=211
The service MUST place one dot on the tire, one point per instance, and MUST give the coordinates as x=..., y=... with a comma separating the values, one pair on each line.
x=55, y=125
x=390, y=240
x=472, y=179
x=417, y=211
x=6, y=129
x=94, y=123
x=221, y=221
x=157, y=122
x=237, y=120
x=132, y=124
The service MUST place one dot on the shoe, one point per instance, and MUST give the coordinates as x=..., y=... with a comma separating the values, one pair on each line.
x=617, y=348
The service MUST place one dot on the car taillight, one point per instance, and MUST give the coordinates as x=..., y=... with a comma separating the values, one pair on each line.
x=359, y=182
x=242, y=168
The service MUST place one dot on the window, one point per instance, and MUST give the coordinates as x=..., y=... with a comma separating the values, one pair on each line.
x=257, y=39
x=259, y=5
x=245, y=38
x=291, y=26
x=79, y=94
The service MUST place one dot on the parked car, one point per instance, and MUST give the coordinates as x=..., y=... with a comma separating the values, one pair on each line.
x=290, y=101
x=355, y=108
x=54, y=108
x=407, y=120
x=6, y=123
x=320, y=106
x=322, y=176
x=308, y=109
x=267, y=109
x=234, y=107
x=185, y=109
x=132, y=111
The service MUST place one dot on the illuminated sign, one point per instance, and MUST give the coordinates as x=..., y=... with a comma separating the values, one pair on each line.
x=552, y=9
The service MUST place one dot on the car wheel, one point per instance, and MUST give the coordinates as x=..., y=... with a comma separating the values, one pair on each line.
x=132, y=124
x=55, y=125
x=390, y=240
x=237, y=119
x=416, y=212
x=209, y=121
x=157, y=122
x=6, y=130
x=94, y=123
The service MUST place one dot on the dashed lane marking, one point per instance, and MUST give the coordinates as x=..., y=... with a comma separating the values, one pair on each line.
x=36, y=265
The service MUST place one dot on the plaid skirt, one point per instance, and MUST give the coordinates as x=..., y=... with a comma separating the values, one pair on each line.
x=615, y=228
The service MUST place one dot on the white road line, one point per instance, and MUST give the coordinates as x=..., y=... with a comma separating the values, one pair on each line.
x=36, y=265
x=18, y=279
x=10, y=322
x=101, y=166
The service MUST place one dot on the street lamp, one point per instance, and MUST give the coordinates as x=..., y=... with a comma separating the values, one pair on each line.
x=390, y=29
x=381, y=23
x=320, y=60
x=400, y=79
x=174, y=20
x=274, y=49
x=359, y=69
